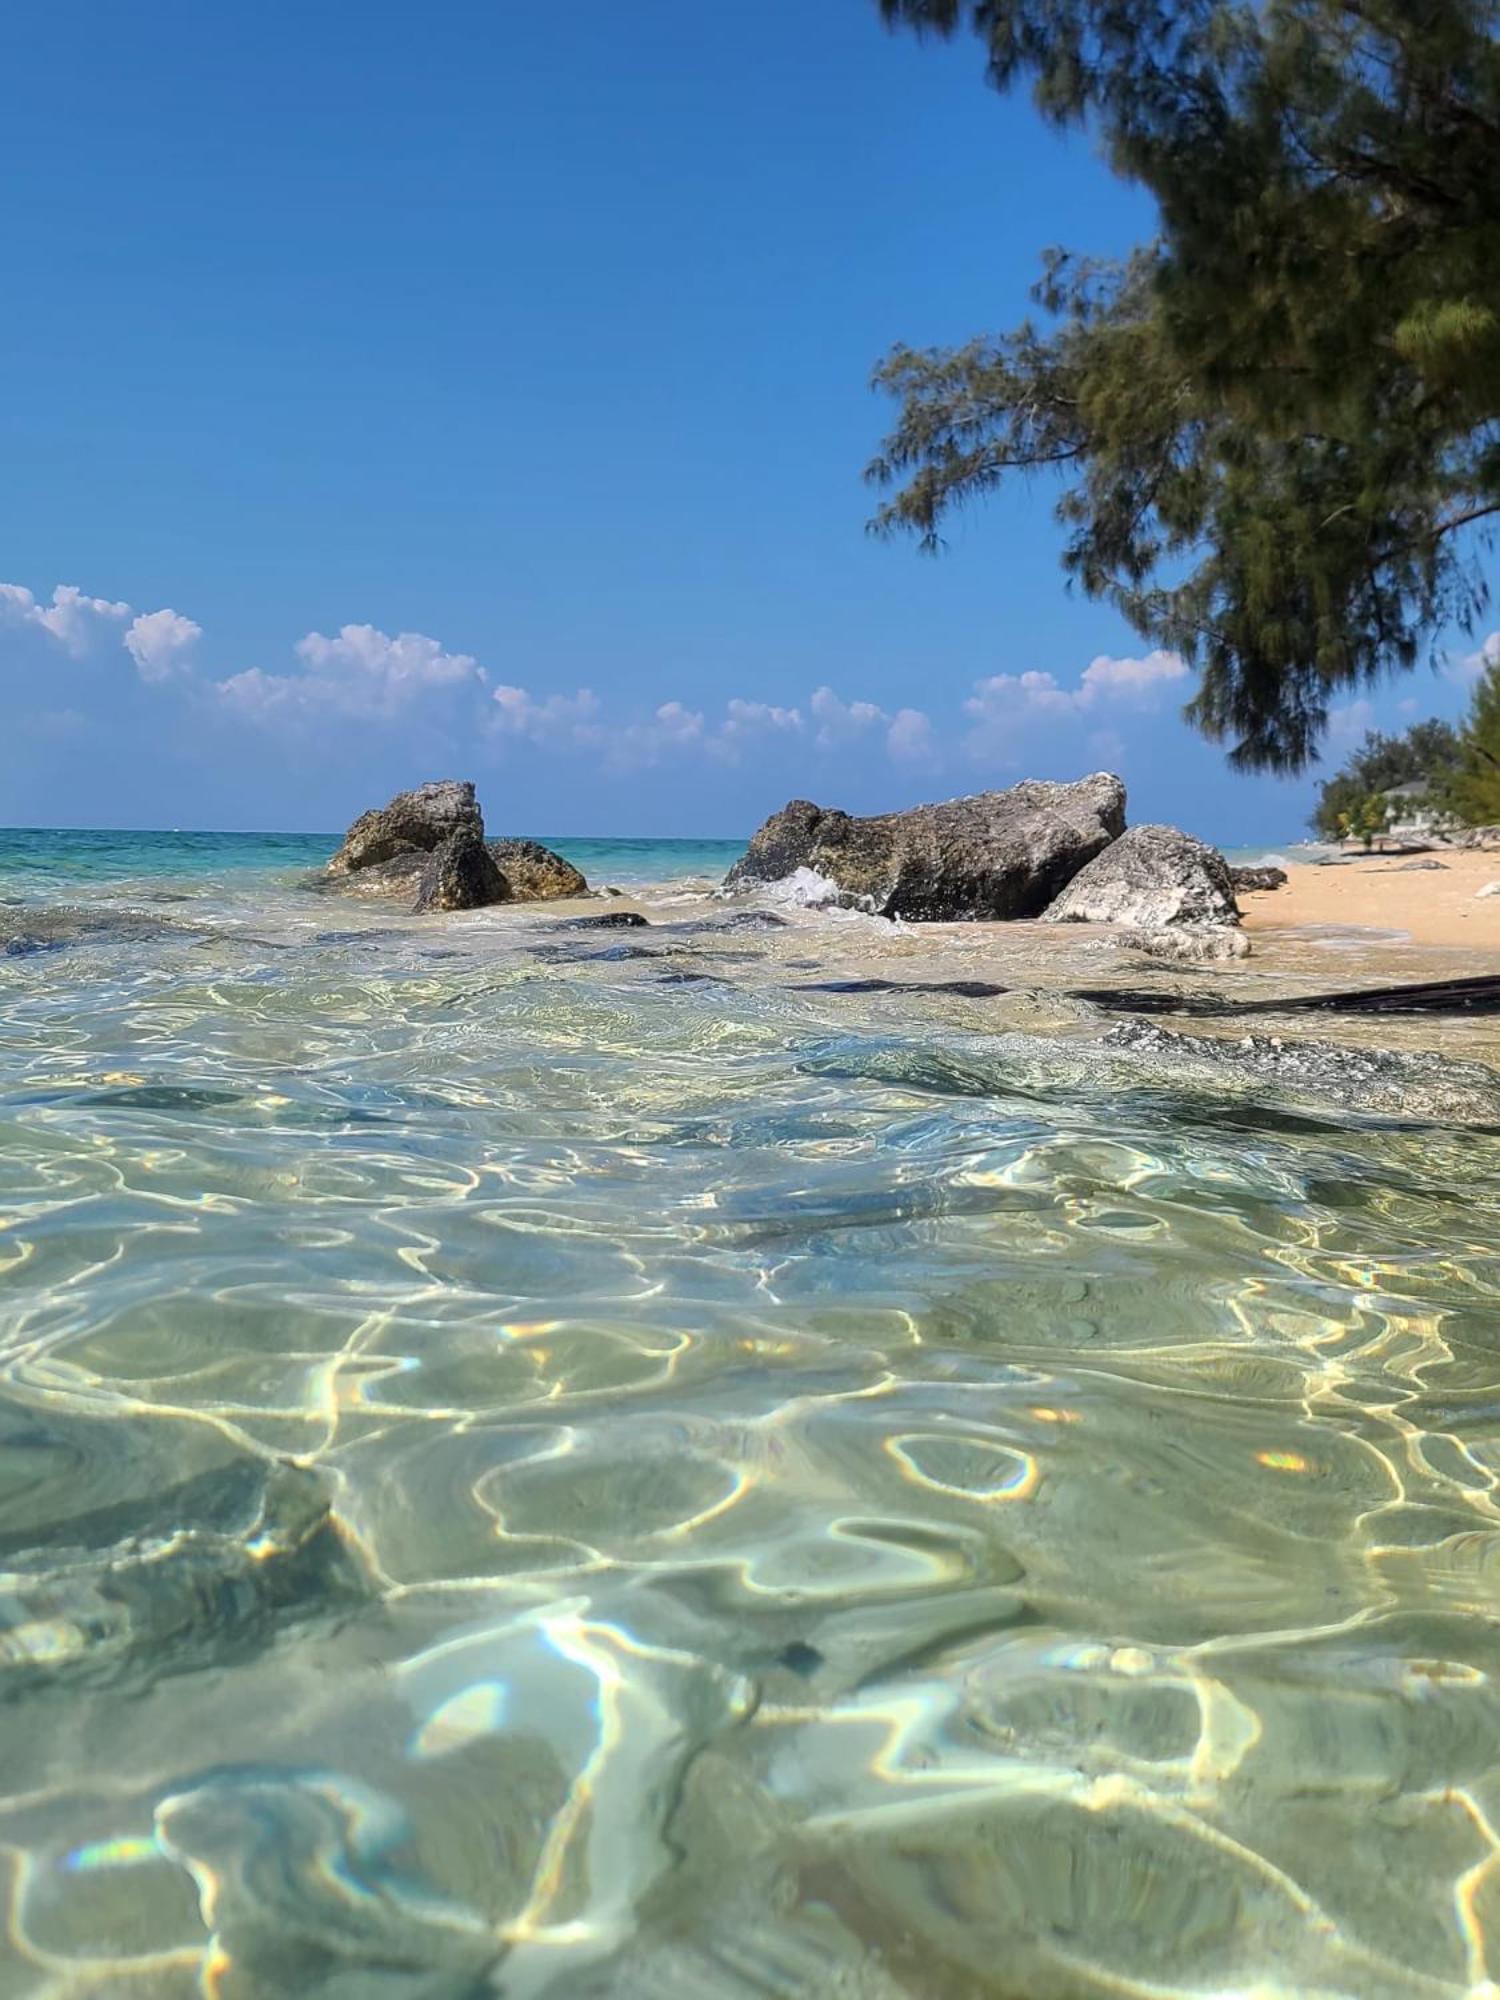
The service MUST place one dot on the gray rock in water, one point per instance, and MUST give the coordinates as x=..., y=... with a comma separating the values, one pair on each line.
x=413, y=822
x=1255, y=881
x=1414, y=1085
x=191, y=1576
x=1184, y=945
x=461, y=875
x=1151, y=877
x=534, y=872
x=608, y=920
x=995, y=855
x=399, y=876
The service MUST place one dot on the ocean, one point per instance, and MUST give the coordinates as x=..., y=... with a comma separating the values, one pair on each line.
x=725, y=1458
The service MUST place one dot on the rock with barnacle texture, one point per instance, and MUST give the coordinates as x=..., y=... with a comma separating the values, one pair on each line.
x=1151, y=878
x=416, y=822
x=1184, y=944
x=995, y=855
x=461, y=875
x=1407, y=1083
x=398, y=877
x=1256, y=881
x=534, y=872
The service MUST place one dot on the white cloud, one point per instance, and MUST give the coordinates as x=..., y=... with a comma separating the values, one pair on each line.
x=910, y=740
x=1472, y=665
x=71, y=618
x=1104, y=679
x=909, y=735
x=1348, y=723
x=160, y=643
x=1107, y=679
x=362, y=673
x=748, y=722
x=562, y=721
x=395, y=667
x=1005, y=696
x=672, y=730
x=259, y=696
x=842, y=721
x=1005, y=704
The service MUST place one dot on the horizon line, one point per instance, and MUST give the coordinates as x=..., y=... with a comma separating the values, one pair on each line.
x=322, y=833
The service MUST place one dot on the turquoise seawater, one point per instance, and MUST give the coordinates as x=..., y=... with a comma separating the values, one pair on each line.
x=580, y=1463
x=32, y=858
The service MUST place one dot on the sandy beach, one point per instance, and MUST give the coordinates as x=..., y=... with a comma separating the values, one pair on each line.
x=1429, y=905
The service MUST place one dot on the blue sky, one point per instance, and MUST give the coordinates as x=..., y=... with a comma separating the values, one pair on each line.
x=482, y=390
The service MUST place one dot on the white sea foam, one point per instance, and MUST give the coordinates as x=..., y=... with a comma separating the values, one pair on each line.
x=806, y=889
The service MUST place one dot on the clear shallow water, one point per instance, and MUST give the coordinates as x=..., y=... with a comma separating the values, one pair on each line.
x=560, y=1463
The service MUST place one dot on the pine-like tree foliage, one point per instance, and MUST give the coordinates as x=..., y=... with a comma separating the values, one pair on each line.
x=1277, y=424
x=1475, y=789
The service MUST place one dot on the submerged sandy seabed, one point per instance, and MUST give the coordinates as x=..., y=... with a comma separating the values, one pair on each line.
x=1345, y=931
x=770, y=1453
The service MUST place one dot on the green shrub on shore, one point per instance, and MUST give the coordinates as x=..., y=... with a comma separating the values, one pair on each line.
x=1427, y=754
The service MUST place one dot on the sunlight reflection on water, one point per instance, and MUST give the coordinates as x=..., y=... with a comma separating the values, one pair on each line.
x=520, y=1474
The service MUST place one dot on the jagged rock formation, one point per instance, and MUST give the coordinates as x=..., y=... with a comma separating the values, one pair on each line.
x=1254, y=881
x=1152, y=878
x=414, y=822
x=995, y=855
x=534, y=872
x=461, y=875
x=429, y=844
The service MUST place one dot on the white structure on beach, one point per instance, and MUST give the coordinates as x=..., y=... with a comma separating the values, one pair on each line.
x=1411, y=813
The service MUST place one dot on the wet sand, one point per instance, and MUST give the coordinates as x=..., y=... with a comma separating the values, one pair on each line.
x=1441, y=906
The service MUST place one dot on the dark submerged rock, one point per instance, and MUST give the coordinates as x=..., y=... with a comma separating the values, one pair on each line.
x=27, y=930
x=995, y=855
x=1379, y=1081
x=1255, y=881
x=534, y=872
x=461, y=875
x=962, y=989
x=186, y=1578
x=419, y=821
x=1150, y=878
x=1479, y=995
x=399, y=876
x=429, y=844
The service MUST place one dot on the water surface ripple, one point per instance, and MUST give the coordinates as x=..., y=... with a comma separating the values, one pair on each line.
x=538, y=1471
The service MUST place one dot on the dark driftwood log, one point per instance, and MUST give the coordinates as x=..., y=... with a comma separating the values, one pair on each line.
x=1480, y=995
x=1437, y=996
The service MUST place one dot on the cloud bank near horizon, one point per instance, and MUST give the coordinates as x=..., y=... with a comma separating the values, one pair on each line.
x=365, y=680
x=363, y=677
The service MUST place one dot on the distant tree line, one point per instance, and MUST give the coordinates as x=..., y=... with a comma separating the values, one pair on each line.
x=1460, y=769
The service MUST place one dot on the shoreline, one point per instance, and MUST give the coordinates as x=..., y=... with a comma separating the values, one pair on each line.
x=1425, y=899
